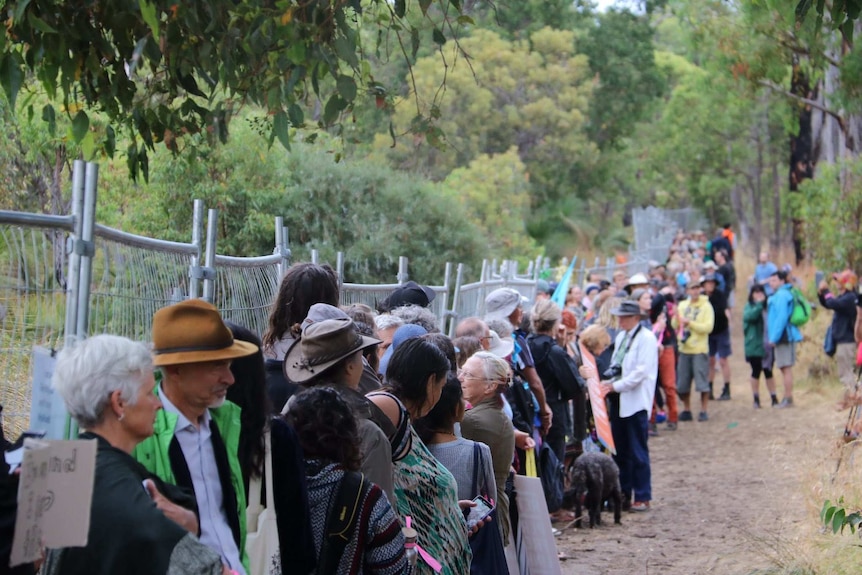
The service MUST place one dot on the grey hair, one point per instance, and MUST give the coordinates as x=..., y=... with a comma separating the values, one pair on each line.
x=501, y=326
x=88, y=372
x=493, y=368
x=545, y=315
x=387, y=321
x=417, y=315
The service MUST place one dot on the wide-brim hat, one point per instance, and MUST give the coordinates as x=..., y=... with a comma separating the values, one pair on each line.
x=627, y=308
x=501, y=302
x=192, y=332
x=637, y=279
x=708, y=278
x=500, y=347
x=322, y=345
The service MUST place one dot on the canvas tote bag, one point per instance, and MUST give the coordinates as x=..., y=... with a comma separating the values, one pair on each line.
x=261, y=542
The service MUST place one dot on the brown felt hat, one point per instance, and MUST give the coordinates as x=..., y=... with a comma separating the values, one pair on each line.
x=191, y=332
x=322, y=345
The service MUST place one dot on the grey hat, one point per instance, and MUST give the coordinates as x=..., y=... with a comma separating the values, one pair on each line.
x=323, y=344
x=501, y=302
x=323, y=311
x=542, y=286
x=627, y=308
x=708, y=278
x=500, y=347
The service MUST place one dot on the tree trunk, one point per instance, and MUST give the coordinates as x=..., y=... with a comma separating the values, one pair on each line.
x=801, y=150
x=776, y=208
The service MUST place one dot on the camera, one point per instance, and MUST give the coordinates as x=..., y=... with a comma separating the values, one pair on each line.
x=685, y=335
x=615, y=371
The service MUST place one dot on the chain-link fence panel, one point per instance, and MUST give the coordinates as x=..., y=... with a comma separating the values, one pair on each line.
x=245, y=289
x=32, y=311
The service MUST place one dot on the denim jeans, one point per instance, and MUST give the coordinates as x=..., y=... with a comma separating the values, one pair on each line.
x=630, y=436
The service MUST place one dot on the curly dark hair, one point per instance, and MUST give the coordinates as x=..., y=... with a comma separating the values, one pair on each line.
x=304, y=285
x=413, y=361
x=326, y=427
x=249, y=393
x=445, y=413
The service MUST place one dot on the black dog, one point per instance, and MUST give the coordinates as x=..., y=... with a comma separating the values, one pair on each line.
x=595, y=479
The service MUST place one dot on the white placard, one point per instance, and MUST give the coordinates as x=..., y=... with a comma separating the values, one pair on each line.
x=47, y=412
x=54, y=497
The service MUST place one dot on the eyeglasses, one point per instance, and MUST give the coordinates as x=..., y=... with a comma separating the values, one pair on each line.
x=467, y=375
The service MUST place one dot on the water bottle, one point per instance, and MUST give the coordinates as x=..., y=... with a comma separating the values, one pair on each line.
x=410, y=537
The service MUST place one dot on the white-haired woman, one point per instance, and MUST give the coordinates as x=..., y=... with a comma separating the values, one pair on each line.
x=484, y=378
x=138, y=524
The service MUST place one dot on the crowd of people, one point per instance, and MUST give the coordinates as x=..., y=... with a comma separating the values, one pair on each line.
x=379, y=413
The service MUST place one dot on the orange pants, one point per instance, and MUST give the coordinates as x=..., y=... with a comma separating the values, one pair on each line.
x=667, y=381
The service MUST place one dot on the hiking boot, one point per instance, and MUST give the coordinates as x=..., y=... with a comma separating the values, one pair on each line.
x=702, y=416
x=671, y=426
x=725, y=393
x=685, y=416
x=785, y=403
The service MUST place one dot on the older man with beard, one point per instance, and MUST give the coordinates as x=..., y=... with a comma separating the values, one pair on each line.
x=196, y=436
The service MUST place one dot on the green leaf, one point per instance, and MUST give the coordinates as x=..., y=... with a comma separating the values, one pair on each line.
x=281, y=129
x=334, y=106
x=346, y=50
x=132, y=160
x=424, y=5
x=438, y=36
x=40, y=24
x=50, y=118
x=190, y=84
x=110, y=142
x=456, y=4
x=11, y=76
x=148, y=12
x=400, y=8
x=80, y=125
x=826, y=505
x=414, y=41
x=847, y=29
x=295, y=115
x=466, y=20
x=346, y=87
x=19, y=11
x=802, y=9
x=838, y=521
x=88, y=146
x=828, y=514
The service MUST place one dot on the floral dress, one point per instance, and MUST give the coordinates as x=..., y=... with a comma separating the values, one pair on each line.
x=426, y=491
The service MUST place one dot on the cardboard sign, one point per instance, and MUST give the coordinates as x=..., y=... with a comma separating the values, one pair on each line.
x=47, y=412
x=54, y=497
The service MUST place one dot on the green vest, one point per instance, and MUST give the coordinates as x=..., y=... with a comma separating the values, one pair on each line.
x=152, y=453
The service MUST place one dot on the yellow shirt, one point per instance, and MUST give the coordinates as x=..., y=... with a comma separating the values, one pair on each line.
x=702, y=319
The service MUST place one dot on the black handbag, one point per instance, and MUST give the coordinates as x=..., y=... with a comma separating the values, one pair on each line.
x=551, y=474
x=489, y=556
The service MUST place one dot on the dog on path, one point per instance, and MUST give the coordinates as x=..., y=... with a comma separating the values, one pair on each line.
x=595, y=479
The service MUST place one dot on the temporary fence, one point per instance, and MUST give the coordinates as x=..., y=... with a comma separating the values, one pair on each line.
x=64, y=277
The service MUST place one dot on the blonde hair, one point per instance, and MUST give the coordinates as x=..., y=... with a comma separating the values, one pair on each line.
x=605, y=318
x=544, y=316
x=595, y=338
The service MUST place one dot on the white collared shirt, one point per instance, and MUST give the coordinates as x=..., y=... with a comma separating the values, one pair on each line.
x=640, y=368
x=197, y=446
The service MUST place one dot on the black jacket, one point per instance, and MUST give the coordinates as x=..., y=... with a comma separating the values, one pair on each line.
x=844, y=319
x=560, y=378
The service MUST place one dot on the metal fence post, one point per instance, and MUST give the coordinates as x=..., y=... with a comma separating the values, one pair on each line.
x=339, y=269
x=70, y=331
x=281, y=246
x=197, y=233
x=315, y=256
x=444, y=310
x=86, y=249
x=402, y=276
x=208, y=271
x=456, y=299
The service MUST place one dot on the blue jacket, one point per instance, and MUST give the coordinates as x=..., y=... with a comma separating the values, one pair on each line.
x=778, y=311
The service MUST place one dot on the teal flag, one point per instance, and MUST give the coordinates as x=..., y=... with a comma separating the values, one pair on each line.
x=562, y=290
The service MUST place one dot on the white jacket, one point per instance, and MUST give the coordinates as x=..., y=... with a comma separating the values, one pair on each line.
x=640, y=368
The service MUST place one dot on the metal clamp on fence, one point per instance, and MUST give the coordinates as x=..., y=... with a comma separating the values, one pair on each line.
x=202, y=273
x=84, y=248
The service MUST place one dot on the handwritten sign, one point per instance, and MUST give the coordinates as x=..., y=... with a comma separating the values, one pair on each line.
x=47, y=412
x=54, y=497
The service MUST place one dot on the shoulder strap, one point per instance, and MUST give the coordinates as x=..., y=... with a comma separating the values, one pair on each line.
x=341, y=522
x=477, y=461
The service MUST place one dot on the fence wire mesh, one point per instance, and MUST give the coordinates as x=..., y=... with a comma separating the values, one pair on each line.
x=245, y=289
x=32, y=311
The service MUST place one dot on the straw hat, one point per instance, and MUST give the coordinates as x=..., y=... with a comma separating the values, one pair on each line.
x=322, y=345
x=191, y=332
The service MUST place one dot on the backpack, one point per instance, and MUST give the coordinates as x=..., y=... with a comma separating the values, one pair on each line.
x=801, y=308
x=552, y=477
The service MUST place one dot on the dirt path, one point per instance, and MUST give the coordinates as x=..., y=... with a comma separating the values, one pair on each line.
x=729, y=495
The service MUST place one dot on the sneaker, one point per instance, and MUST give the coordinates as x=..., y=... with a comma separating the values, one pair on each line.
x=640, y=506
x=702, y=416
x=686, y=416
x=671, y=426
x=785, y=403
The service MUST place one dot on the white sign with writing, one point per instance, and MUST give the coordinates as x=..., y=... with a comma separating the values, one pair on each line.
x=47, y=412
x=54, y=497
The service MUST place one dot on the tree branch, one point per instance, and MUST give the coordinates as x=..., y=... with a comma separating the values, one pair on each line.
x=808, y=102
